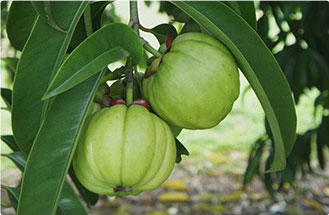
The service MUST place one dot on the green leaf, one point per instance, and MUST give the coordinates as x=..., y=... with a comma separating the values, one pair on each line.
x=13, y=193
x=105, y=46
x=53, y=149
x=89, y=197
x=190, y=26
x=180, y=150
x=69, y=202
x=248, y=13
x=20, y=22
x=11, y=63
x=10, y=141
x=162, y=31
x=46, y=10
x=6, y=96
x=97, y=9
x=69, y=76
x=253, y=161
x=39, y=61
x=257, y=64
x=234, y=5
x=19, y=159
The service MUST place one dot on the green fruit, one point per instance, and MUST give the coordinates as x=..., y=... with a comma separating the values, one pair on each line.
x=196, y=83
x=124, y=151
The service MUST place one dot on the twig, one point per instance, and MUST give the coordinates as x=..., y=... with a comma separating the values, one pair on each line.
x=150, y=49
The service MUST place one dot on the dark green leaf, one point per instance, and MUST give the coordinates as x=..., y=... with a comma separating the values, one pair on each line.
x=13, y=193
x=234, y=5
x=53, y=149
x=288, y=174
x=11, y=63
x=254, y=161
x=268, y=177
x=190, y=26
x=180, y=150
x=97, y=9
x=47, y=11
x=10, y=141
x=248, y=12
x=162, y=31
x=89, y=197
x=257, y=64
x=172, y=10
x=107, y=45
x=69, y=203
x=21, y=18
x=39, y=61
x=6, y=95
x=19, y=158
x=322, y=140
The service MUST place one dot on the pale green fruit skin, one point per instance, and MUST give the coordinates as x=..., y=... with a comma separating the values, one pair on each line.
x=196, y=83
x=124, y=147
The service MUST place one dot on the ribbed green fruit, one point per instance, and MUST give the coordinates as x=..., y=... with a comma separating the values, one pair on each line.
x=195, y=84
x=124, y=151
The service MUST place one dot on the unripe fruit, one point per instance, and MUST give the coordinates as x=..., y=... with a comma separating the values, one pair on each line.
x=196, y=82
x=142, y=102
x=124, y=151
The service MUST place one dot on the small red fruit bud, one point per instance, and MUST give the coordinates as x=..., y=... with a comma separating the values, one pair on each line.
x=142, y=102
x=118, y=102
x=168, y=42
x=106, y=101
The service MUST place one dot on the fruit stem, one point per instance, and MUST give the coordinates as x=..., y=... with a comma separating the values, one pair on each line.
x=150, y=49
x=144, y=28
x=130, y=87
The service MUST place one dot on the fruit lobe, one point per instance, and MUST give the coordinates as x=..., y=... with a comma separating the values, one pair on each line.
x=196, y=83
x=124, y=151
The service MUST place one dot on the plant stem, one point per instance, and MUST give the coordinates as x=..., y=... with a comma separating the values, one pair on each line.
x=87, y=20
x=144, y=29
x=134, y=21
x=130, y=87
x=150, y=49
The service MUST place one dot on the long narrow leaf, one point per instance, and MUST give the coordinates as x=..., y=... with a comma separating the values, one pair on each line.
x=89, y=197
x=10, y=141
x=6, y=96
x=69, y=203
x=44, y=10
x=257, y=64
x=53, y=149
x=248, y=12
x=20, y=21
x=13, y=193
x=40, y=59
x=105, y=46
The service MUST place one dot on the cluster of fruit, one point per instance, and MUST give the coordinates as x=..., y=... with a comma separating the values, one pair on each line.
x=124, y=149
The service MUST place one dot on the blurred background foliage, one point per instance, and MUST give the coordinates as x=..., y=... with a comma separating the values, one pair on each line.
x=297, y=33
x=238, y=150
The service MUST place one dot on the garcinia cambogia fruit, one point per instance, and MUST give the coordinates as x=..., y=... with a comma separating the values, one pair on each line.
x=195, y=83
x=124, y=151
